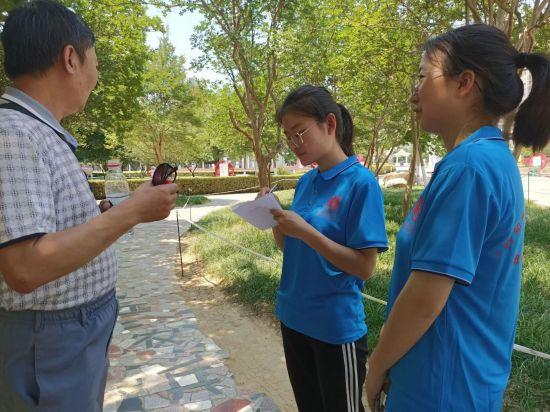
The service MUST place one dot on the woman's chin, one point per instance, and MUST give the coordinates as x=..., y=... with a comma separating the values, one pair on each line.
x=305, y=161
x=428, y=126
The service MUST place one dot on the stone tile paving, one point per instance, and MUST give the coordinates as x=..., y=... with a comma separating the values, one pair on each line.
x=160, y=360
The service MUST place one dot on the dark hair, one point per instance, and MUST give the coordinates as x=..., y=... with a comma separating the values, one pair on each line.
x=317, y=102
x=487, y=51
x=35, y=34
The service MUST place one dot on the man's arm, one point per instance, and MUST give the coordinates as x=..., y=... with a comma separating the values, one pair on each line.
x=29, y=264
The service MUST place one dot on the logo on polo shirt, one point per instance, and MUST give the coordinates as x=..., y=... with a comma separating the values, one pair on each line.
x=331, y=207
x=417, y=208
x=409, y=222
x=333, y=203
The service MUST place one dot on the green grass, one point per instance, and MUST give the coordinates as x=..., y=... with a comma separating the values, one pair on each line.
x=193, y=200
x=254, y=281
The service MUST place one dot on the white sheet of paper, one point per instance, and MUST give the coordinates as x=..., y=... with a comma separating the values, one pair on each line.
x=257, y=212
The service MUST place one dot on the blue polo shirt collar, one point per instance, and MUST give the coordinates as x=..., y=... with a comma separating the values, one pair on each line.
x=339, y=168
x=485, y=132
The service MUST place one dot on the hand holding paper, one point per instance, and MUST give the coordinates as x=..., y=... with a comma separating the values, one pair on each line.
x=258, y=212
x=291, y=224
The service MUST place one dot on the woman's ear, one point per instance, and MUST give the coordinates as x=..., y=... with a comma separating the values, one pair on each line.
x=466, y=82
x=331, y=124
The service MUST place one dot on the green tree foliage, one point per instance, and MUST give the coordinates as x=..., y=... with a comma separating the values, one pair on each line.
x=120, y=29
x=367, y=54
x=222, y=135
x=5, y=6
x=240, y=40
x=166, y=124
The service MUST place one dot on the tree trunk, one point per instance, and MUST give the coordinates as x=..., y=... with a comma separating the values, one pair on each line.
x=159, y=150
x=158, y=154
x=517, y=151
x=191, y=169
x=372, y=148
x=381, y=164
x=264, y=176
x=412, y=168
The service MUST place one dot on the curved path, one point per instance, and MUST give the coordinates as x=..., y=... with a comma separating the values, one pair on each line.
x=160, y=359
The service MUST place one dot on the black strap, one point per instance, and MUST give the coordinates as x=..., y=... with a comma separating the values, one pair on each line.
x=14, y=106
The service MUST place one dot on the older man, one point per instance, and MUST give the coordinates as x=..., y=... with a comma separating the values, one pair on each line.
x=57, y=269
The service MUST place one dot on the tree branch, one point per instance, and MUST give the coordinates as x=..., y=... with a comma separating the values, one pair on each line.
x=381, y=165
x=239, y=128
x=475, y=14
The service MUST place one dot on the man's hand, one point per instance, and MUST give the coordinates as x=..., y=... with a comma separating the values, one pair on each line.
x=151, y=203
x=105, y=205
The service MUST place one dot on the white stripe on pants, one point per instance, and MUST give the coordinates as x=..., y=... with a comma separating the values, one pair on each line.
x=350, y=368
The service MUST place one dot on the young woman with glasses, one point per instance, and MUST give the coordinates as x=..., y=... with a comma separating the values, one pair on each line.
x=454, y=291
x=330, y=239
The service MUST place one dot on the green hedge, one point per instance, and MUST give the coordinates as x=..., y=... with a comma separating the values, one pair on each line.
x=133, y=174
x=136, y=174
x=202, y=185
x=387, y=168
x=187, y=173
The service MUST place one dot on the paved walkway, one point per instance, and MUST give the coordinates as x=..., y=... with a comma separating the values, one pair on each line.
x=160, y=360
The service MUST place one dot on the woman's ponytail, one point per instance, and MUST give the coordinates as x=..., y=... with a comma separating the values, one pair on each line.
x=347, y=134
x=532, y=124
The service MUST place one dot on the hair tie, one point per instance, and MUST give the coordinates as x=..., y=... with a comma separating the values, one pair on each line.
x=521, y=60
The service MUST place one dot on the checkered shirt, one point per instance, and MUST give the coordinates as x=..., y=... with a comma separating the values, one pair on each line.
x=43, y=190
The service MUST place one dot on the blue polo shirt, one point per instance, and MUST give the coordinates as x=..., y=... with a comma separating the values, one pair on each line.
x=468, y=225
x=316, y=298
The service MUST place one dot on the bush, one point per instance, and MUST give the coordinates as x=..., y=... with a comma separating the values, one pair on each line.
x=191, y=200
x=202, y=185
x=187, y=173
x=134, y=174
x=98, y=175
x=387, y=168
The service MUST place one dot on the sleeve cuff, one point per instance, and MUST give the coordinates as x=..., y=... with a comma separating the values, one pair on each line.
x=460, y=275
x=21, y=239
x=381, y=246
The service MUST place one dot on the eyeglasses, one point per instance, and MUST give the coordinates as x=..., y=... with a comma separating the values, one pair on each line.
x=420, y=80
x=295, y=140
x=164, y=173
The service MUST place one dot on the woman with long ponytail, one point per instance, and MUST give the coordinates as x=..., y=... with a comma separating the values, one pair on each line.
x=330, y=239
x=455, y=287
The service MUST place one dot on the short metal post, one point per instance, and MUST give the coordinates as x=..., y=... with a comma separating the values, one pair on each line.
x=528, y=187
x=190, y=203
